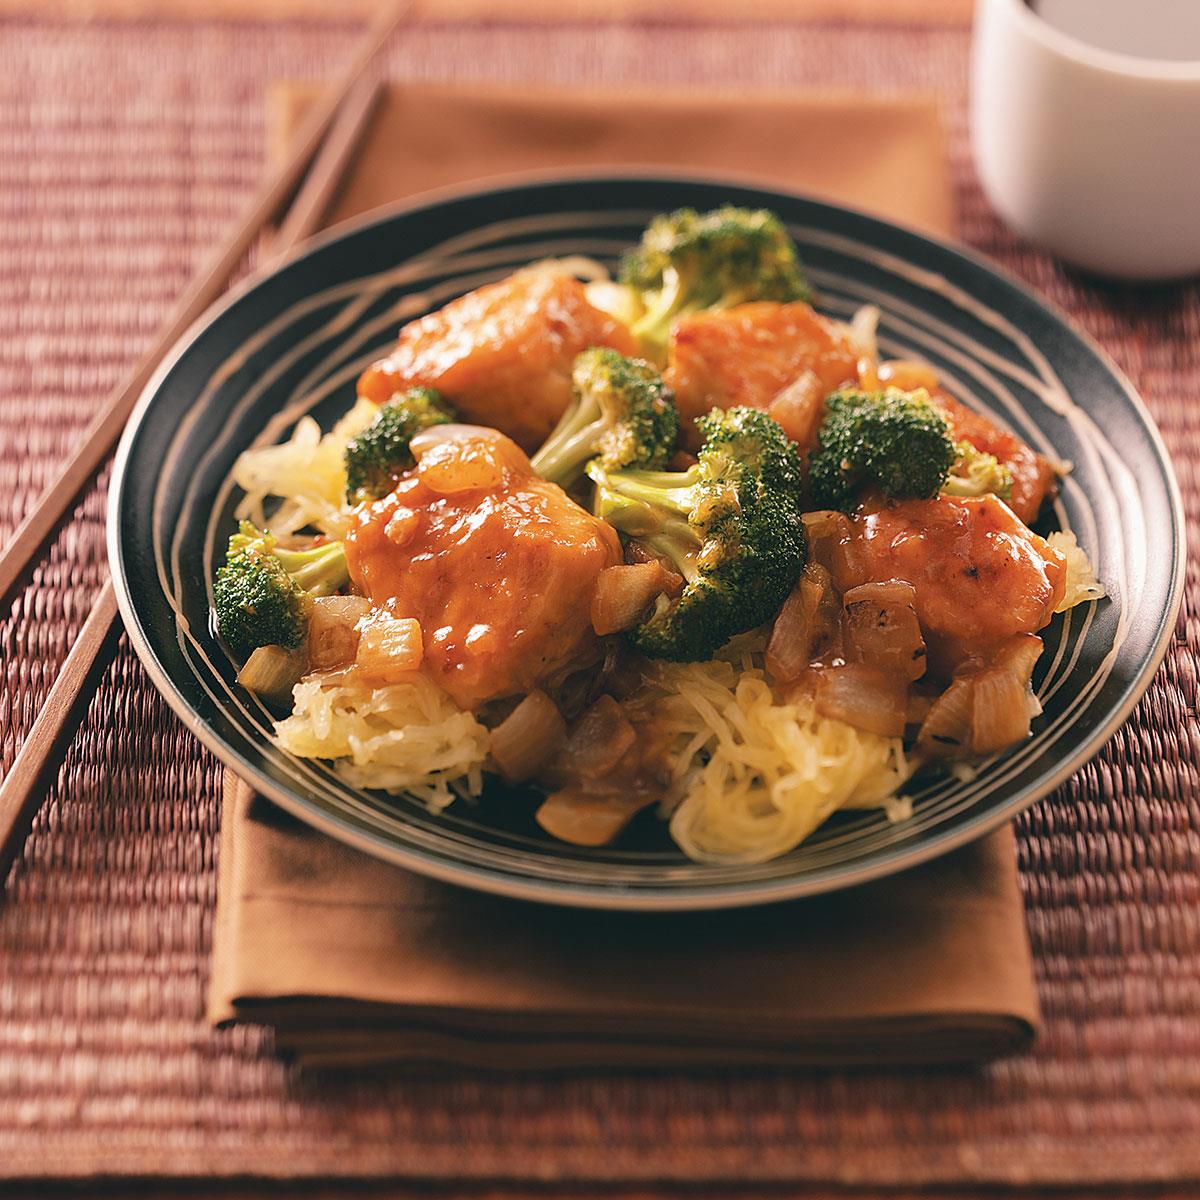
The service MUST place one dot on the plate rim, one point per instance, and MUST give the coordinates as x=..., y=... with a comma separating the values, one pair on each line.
x=625, y=897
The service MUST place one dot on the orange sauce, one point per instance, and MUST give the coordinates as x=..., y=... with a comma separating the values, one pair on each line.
x=496, y=564
x=1033, y=476
x=750, y=353
x=502, y=354
x=979, y=574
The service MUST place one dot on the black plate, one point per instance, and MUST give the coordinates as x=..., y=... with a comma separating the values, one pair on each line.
x=294, y=340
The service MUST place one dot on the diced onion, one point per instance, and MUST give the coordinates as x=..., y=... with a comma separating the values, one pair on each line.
x=623, y=593
x=527, y=737
x=986, y=709
x=272, y=671
x=919, y=704
x=882, y=630
x=828, y=531
x=345, y=609
x=864, y=339
x=1082, y=585
x=585, y=819
x=797, y=627
x=907, y=374
x=1004, y=702
x=946, y=730
x=863, y=331
x=388, y=647
x=403, y=525
x=798, y=407
x=332, y=636
x=791, y=637
x=463, y=458
x=1019, y=654
x=999, y=711
x=617, y=299
x=865, y=698
x=598, y=742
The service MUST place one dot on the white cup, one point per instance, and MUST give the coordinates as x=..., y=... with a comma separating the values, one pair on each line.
x=1093, y=154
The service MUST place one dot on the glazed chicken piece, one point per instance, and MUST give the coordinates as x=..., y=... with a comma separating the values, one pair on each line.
x=496, y=564
x=502, y=355
x=979, y=574
x=751, y=353
x=1033, y=476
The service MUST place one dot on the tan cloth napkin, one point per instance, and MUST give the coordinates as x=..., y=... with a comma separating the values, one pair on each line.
x=355, y=961
x=879, y=154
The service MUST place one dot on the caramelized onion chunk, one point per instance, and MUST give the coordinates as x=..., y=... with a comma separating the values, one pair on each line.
x=881, y=628
x=523, y=742
x=388, y=646
x=829, y=533
x=589, y=818
x=332, y=636
x=598, y=742
x=464, y=458
x=624, y=593
x=988, y=706
x=802, y=623
x=863, y=697
x=1004, y=702
x=907, y=374
x=946, y=730
x=799, y=408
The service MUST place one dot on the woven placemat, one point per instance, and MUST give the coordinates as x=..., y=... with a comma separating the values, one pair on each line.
x=867, y=11
x=123, y=152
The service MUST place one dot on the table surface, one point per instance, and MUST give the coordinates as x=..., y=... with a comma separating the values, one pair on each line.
x=125, y=151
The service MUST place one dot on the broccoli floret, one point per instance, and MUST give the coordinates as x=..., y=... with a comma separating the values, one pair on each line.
x=689, y=261
x=896, y=442
x=262, y=593
x=377, y=456
x=731, y=526
x=621, y=414
x=977, y=474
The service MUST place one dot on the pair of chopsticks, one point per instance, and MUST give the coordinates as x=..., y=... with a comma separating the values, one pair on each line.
x=297, y=195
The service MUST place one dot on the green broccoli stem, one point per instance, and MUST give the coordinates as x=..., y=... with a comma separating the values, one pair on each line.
x=653, y=508
x=320, y=571
x=679, y=546
x=655, y=322
x=655, y=325
x=575, y=439
x=671, y=490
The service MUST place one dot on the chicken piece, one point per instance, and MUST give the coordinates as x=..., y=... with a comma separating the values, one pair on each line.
x=980, y=575
x=1032, y=475
x=502, y=355
x=750, y=353
x=497, y=564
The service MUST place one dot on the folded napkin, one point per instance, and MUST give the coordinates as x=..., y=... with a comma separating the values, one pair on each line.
x=884, y=155
x=357, y=962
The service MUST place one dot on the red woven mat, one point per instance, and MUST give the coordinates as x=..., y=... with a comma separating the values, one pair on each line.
x=125, y=150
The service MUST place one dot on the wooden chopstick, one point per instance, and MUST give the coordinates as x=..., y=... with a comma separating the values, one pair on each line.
x=329, y=168
x=101, y=436
x=20, y=791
